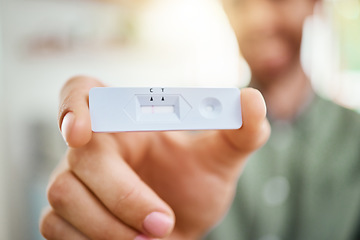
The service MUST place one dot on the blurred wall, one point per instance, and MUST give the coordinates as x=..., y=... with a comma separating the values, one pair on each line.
x=3, y=160
x=47, y=42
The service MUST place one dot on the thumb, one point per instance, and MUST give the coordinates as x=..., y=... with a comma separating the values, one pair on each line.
x=226, y=147
x=74, y=115
x=255, y=129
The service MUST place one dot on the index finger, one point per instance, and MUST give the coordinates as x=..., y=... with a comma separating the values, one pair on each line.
x=74, y=117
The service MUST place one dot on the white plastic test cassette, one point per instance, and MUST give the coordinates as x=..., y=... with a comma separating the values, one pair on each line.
x=161, y=109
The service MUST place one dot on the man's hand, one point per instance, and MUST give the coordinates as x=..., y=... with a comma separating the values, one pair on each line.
x=145, y=185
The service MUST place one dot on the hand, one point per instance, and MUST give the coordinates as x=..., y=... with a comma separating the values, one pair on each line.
x=145, y=185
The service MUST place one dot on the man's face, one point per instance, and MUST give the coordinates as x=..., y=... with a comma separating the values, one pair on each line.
x=269, y=32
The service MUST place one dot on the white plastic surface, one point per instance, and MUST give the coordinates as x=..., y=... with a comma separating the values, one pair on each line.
x=162, y=109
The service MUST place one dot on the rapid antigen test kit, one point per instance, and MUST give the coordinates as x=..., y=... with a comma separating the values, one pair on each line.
x=161, y=109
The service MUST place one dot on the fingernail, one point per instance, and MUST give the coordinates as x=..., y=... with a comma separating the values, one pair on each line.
x=158, y=224
x=66, y=125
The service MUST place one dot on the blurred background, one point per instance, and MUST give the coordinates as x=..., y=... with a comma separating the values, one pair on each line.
x=130, y=43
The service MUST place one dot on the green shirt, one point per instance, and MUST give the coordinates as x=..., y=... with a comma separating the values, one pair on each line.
x=304, y=183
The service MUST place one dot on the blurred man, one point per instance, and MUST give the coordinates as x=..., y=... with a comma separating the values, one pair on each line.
x=304, y=184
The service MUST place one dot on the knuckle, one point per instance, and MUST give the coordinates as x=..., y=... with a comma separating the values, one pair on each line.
x=128, y=195
x=58, y=192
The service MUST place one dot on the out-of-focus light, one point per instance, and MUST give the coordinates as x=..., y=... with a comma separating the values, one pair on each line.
x=198, y=31
x=348, y=8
